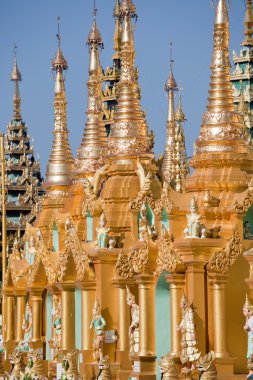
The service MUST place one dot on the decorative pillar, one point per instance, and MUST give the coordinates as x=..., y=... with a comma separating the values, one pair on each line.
x=177, y=283
x=68, y=315
x=20, y=312
x=9, y=323
x=123, y=321
x=36, y=304
x=217, y=283
x=88, y=293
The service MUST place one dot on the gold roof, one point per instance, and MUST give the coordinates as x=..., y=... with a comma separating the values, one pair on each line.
x=94, y=36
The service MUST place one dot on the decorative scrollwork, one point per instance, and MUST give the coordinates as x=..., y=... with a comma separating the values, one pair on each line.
x=222, y=260
x=242, y=208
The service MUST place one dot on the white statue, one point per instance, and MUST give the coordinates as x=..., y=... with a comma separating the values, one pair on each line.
x=134, y=326
x=143, y=222
x=194, y=227
x=248, y=327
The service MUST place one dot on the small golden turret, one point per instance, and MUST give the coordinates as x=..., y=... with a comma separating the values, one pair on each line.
x=93, y=148
x=16, y=77
x=118, y=30
x=60, y=164
x=168, y=168
x=223, y=130
x=129, y=132
x=248, y=22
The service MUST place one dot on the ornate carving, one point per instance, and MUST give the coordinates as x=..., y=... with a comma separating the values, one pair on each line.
x=168, y=259
x=242, y=208
x=168, y=368
x=222, y=260
x=104, y=369
x=206, y=367
x=165, y=202
x=124, y=268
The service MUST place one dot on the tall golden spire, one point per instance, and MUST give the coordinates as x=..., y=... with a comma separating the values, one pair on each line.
x=129, y=131
x=248, y=22
x=60, y=164
x=16, y=77
x=168, y=169
x=118, y=30
x=93, y=148
x=223, y=130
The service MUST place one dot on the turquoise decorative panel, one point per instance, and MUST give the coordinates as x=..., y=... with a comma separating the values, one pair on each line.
x=78, y=318
x=162, y=315
x=49, y=306
x=89, y=221
x=165, y=221
x=55, y=239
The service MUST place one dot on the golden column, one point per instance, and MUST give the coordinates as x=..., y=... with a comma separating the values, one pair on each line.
x=9, y=323
x=68, y=315
x=20, y=311
x=177, y=283
x=147, y=314
x=217, y=283
x=88, y=293
x=36, y=304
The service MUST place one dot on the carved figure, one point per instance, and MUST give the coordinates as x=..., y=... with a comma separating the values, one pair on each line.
x=104, y=369
x=248, y=327
x=35, y=368
x=88, y=189
x=194, y=227
x=143, y=222
x=98, y=323
x=70, y=366
x=168, y=368
x=133, y=331
x=19, y=366
x=56, y=313
x=206, y=367
x=189, y=351
x=247, y=231
x=27, y=328
x=102, y=232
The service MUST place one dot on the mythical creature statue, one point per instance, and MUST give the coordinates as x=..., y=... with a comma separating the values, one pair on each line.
x=102, y=232
x=189, y=350
x=27, y=328
x=194, y=228
x=168, y=368
x=133, y=331
x=248, y=327
x=206, y=367
x=104, y=369
x=18, y=364
x=98, y=323
x=35, y=368
x=70, y=366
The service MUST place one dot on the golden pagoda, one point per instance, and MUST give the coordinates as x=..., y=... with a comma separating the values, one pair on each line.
x=122, y=269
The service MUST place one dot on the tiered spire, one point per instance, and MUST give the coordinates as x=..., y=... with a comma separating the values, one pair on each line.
x=129, y=132
x=91, y=153
x=168, y=168
x=248, y=22
x=223, y=131
x=60, y=164
x=16, y=77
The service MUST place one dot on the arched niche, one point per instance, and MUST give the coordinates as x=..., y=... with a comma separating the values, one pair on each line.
x=55, y=239
x=248, y=224
x=162, y=317
x=89, y=226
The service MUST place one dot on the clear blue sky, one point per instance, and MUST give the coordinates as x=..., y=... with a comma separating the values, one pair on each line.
x=32, y=25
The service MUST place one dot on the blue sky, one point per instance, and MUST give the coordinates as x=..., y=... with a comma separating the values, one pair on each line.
x=32, y=25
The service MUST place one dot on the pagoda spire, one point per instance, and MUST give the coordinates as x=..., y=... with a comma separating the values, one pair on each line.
x=117, y=31
x=129, y=131
x=248, y=22
x=16, y=77
x=223, y=134
x=59, y=168
x=93, y=148
x=168, y=169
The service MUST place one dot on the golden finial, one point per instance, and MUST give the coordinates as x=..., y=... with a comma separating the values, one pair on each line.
x=93, y=148
x=60, y=164
x=128, y=9
x=248, y=22
x=180, y=116
x=118, y=30
x=171, y=84
x=116, y=10
x=16, y=77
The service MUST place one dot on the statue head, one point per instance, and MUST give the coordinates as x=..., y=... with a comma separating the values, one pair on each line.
x=96, y=308
x=247, y=308
x=102, y=220
x=184, y=303
x=193, y=206
x=130, y=297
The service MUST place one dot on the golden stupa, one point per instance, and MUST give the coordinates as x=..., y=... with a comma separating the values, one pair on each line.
x=131, y=258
